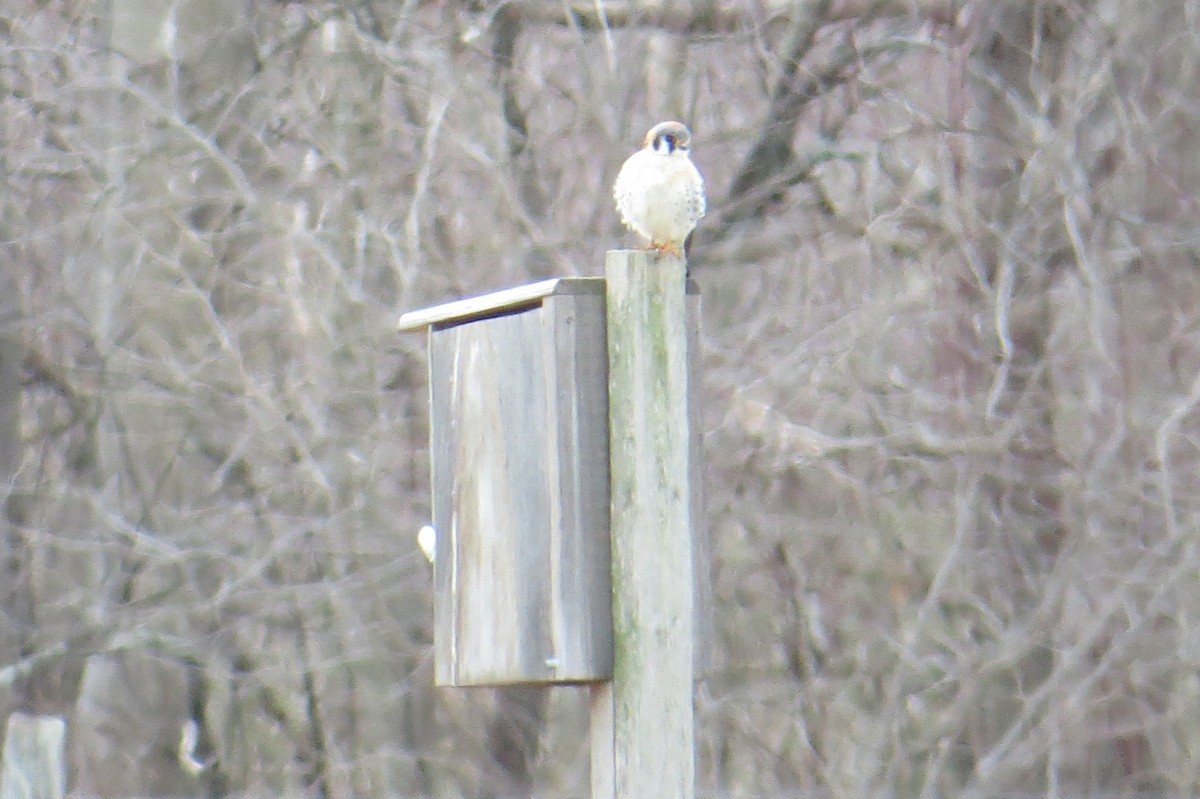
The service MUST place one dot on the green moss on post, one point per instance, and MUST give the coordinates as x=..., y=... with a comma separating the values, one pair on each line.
x=649, y=749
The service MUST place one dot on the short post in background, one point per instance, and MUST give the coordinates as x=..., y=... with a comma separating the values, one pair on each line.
x=33, y=761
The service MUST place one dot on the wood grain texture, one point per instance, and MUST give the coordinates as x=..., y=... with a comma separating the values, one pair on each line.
x=520, y=476
x=652, y=725
x=703, y=630
x=498, y=303
x=521, y=490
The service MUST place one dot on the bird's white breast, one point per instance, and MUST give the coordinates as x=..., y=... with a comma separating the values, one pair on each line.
x=659, y=196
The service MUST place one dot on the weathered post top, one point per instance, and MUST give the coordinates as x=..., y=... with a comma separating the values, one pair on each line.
x=505, y=301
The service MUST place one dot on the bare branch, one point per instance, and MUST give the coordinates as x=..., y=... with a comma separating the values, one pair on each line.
x=682, y=19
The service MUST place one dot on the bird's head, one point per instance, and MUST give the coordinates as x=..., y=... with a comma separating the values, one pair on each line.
x=667, y=138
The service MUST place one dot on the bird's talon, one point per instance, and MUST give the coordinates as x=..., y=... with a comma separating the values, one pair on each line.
x=661, y=249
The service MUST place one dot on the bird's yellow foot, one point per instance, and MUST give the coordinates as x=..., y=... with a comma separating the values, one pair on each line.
x=664, y=247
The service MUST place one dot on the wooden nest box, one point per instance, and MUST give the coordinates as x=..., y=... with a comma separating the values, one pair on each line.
x=519, y=443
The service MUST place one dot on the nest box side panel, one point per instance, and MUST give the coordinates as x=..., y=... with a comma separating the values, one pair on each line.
x=490, y=500
x=704, y=608
x=580, y=574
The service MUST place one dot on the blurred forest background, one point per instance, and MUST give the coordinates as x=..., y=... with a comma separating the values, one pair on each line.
x=951, y=275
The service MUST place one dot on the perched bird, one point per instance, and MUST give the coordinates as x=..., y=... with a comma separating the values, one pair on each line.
x=659, y=191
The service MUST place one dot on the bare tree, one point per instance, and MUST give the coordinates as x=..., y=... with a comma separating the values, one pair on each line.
x=950, y=367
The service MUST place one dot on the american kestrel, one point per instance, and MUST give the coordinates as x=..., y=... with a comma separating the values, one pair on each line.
x=659, y=191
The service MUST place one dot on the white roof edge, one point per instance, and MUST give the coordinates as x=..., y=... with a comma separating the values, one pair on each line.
x=498, y=301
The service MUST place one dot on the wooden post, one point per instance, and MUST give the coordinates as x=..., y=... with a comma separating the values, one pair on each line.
x=33, y=765
x=643, y=725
